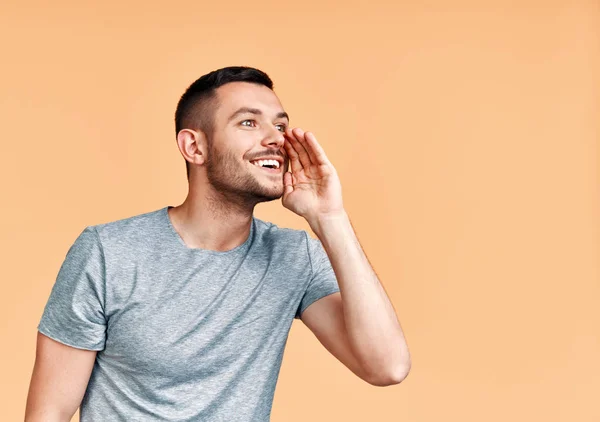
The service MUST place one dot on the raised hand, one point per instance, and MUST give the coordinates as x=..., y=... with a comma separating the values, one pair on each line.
x=312, y=189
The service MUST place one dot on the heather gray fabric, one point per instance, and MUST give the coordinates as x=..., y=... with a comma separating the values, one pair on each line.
x=183, y=334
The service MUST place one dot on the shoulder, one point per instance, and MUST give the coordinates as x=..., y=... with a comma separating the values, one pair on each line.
x=139, y=227
x=282, y=237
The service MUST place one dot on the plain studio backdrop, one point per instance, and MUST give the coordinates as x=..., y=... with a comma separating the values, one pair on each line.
x=465, y=135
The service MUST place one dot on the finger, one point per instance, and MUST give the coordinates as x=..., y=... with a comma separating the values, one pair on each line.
x=315, y=151
x=297, y=143
x=288, y=187
x=294, y=160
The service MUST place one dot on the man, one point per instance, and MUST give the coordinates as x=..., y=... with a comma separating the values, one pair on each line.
x=182, y=313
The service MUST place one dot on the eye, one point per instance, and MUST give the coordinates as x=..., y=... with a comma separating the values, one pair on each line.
x=282, y=127
x=249, y=120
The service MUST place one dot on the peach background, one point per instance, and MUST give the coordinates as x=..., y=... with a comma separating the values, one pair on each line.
x=466, y=138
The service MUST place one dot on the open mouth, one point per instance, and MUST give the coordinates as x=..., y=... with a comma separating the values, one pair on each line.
x=269, y=166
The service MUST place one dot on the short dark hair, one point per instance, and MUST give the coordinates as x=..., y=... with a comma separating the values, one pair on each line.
x=196, y=105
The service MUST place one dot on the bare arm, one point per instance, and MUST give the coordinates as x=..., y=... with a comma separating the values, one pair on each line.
x=60, y=377
x=313, y=190
x=372, y=326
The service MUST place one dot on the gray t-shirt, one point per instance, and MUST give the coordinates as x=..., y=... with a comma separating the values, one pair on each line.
x=183, y=334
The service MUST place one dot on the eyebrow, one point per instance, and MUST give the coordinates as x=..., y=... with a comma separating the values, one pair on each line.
x=243, y=110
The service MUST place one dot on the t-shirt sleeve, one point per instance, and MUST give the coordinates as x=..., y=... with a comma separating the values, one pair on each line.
x=74, y=313
x=323, y=281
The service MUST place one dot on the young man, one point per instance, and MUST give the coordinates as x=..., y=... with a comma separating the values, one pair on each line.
x=182, y=313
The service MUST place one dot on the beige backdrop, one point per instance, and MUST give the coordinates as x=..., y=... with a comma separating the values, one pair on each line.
x=466, y=138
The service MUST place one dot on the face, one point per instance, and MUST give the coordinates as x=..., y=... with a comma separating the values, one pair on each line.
x=248, y=124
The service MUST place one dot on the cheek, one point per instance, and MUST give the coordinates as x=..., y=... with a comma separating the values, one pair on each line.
x=237, y=145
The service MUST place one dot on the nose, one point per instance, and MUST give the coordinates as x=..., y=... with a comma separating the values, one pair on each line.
x=274, y=138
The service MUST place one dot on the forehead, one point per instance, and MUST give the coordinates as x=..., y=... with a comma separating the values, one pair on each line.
x=235, y=95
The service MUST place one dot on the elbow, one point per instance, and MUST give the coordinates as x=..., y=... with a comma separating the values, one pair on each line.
x=401, y=373
x=391, y=377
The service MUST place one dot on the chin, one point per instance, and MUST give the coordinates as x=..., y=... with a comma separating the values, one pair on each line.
x=276, y=192
x=269, y=189
x=270, y=196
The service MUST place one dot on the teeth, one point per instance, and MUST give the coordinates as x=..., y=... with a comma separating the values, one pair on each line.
x=262, y=163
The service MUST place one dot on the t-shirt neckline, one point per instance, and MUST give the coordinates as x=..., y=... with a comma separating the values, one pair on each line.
x=164, y=212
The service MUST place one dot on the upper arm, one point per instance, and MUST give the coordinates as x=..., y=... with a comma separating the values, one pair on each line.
x=71, y=331
x=325, y=318
x=60, y=377
x=321, y=309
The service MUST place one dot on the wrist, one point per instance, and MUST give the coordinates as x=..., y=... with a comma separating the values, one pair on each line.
x=325, y=223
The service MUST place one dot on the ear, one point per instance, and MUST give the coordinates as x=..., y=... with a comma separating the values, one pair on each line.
x=192, y=145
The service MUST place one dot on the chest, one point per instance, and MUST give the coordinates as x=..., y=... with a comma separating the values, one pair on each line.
x=198, y=317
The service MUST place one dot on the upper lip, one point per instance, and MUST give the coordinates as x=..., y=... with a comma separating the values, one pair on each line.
x=279, y=159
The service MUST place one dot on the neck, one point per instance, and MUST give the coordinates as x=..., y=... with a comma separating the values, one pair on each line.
x=209, y=220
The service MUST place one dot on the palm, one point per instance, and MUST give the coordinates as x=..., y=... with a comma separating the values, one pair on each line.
x=312, y=188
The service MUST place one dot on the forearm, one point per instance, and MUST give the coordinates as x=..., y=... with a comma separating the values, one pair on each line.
x=372, y=325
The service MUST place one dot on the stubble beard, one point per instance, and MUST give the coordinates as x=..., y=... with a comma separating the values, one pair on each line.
x=238, y=183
